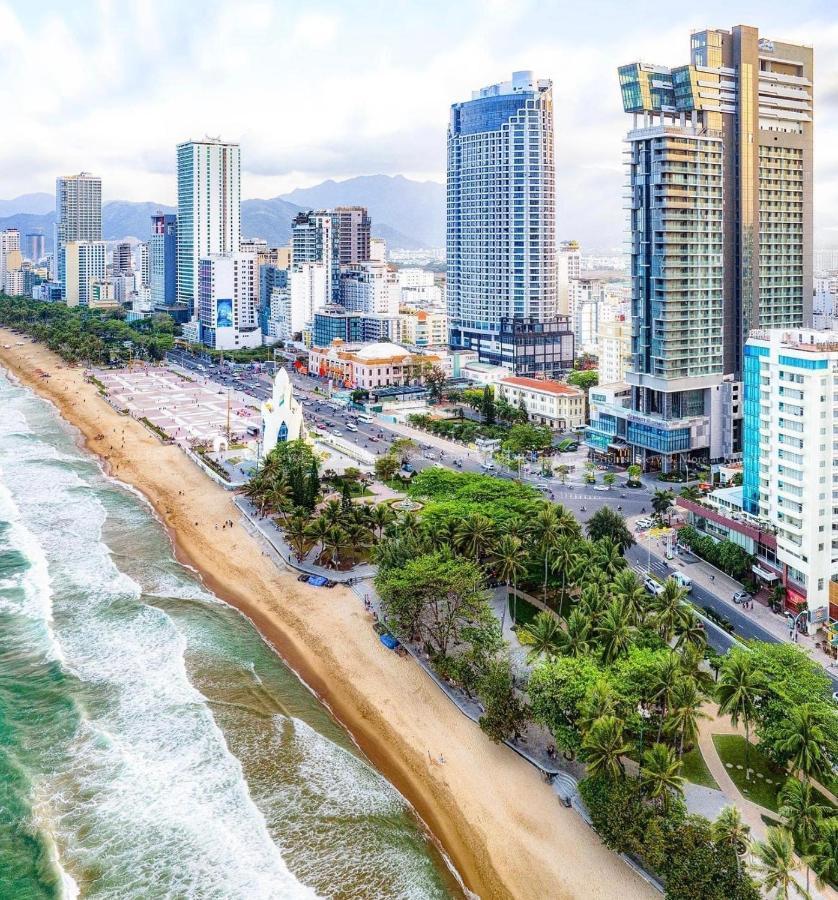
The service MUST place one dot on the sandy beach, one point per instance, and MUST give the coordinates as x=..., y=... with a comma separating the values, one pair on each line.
x=501, y=825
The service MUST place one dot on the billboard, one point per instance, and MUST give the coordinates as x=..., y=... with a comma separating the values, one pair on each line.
x=224, y=314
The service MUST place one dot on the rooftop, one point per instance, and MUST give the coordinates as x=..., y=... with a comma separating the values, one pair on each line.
x=544, y=385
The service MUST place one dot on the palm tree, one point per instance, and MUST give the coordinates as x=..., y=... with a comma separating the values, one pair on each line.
x=337, y=539
x=661, y=501
x=615, y=631
x=333, y=511
x=564, y=560
x=803, y=737
x=318, y=529
x=576, y=635
x=599, y=701
x=667, y=608
x=684, y=713
x=775, y=856
x=660, y=773
x=603, y=746
x=543, y=635
x=628, y=588
x=547, y=532
x=823, y=855
x=738, y=692
x=731, y=831
x=508, y=562
x=803, y=814
x=476, y=535
x=690, y=493
x=278, y=497
x=380, y=517
x=298, y=535
x=689, y=630
x=666, y=676
x=606, y=555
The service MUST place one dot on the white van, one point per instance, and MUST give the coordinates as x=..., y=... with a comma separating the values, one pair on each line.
x=364, y=417
x=351, y=427
x=682, y=580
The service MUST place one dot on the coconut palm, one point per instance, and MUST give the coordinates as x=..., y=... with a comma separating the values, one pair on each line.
x=543, y=635
x=689, y=630
x=684, y=713
x=628, y=588
x=564, y=561
x=661, y=501
x=599, y=701
x=803, y=738
x=333, y=511
x=604, y=746
x=776, y=864
x=803, y=813
x=615, y=631
x=667, y=608
x=607, y=556
x=690, y=658
x=738, y=692
x=475, y=536
x=508, y=562
x=660, y=774
x=298, y=536
x=337, y=540
x=731, y=831
x=823, y=854
x=318, y=529
x=666, y=675
x=690, y=493
x=547, y=531
x=443, y=535
x=576, y=640
x=380, y=517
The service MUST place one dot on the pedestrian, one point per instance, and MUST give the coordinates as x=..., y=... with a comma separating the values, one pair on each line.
x=441, y=760
x=712, y=578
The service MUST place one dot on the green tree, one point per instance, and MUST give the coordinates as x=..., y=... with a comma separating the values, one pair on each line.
x=386, y=467
x=604, y=746
x=584, y=380
x=435, y=379
x=475, y=536
x=803, y=739
x=803, y=813
x=730, y=830
x=634, y=472
x=575, y=640
x=403, y=449
x=544, y=636
x=487, y=406
x=776, y=864
x=615, y=631
x=690, y=493
x=738, y=693
x=684, y=713
x=628, y=588
x=823, y=854
x=660, y=774
x=608, y=479
x=508, y=562
x=505, y=714
x=523, y=438
x=661, y=501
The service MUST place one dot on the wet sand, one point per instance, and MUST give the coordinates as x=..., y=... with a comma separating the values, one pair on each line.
x=501, y=825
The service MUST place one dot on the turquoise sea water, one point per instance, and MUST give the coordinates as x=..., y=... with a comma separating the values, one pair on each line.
x=151, y=744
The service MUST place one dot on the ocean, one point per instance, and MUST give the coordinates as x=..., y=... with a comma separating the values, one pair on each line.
x=152, y=745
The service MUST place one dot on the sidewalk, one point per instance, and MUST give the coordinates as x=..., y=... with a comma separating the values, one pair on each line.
x=723, y=586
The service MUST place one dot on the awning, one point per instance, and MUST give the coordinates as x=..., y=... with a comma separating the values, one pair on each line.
x=764, y=574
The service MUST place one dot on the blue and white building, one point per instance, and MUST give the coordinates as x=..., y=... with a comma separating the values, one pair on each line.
x=163, y=260
x=790, y=456
x=228, y=301
x=501, y=229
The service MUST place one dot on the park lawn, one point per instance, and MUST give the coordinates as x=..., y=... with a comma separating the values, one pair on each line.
x=695, y=769
x=766, y=778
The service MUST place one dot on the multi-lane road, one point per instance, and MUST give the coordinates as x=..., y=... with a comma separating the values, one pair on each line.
x=583, y=500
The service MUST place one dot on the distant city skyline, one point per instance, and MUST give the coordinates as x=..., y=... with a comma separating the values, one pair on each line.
x=146, y=78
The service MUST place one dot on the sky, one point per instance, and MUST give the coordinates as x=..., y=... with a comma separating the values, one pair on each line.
x=325, y=89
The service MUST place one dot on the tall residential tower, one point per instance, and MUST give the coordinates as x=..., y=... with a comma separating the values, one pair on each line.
x=78, y=214
x=209, y=209
x=501, y=232
x=719, y=196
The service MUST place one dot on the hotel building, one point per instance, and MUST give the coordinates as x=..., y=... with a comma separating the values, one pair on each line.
x=501, y=217
x=719, y=197
x=555, y=404
x=229, y=301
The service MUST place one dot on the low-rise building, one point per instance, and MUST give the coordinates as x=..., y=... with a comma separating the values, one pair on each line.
x=371, y=365
x=555, y=404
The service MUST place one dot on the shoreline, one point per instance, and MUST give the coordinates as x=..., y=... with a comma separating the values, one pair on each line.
x=500, y=825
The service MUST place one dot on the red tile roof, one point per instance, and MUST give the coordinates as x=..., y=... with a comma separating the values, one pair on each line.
x=545, y=385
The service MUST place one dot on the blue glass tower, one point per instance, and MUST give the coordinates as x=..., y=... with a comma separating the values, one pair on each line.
x=163, y=260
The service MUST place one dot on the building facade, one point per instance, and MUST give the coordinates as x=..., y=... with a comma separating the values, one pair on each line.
x=369, y=287
x=10, y=258
x=501, y=213
x=570, y=269
x=36, y=246
x=314, y=239
x=78, y=212
x=371, y=365
x=83, y=265
x=719, y=196
x=162, y=247
x=352, y=231
x=614, y=350
x=229, y=301
x=790, y=455
x=209, y=209
x=555, y=404
x=123, y=261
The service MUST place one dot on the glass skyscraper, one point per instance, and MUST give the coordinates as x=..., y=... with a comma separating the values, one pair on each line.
x=719, y=195
x=163, y=260
x=501, y=230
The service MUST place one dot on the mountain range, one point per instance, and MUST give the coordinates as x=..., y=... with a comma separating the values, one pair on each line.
x=409, y=215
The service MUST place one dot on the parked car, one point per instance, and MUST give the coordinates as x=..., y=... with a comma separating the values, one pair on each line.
x=643, y=524
x=741, y=597
x=652, y=585
x=601, y=487
x=337, y=432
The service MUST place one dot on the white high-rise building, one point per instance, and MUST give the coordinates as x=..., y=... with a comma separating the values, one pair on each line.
x=369, y=288
x=614, y=350
x=83, y=264
x=570, y=269
x=209, y=209
x=78, y=213
x=229, y=301
x=790, y=456
x=309, y=285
